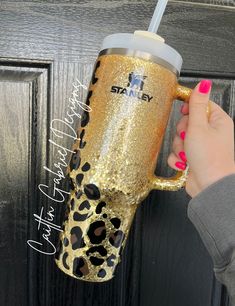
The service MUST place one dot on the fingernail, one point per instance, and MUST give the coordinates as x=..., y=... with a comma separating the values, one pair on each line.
x=182, y=155
x=182, y=135
x=204, y=86
x=180, y=165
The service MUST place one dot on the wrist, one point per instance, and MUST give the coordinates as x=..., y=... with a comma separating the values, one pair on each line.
x=216, y=176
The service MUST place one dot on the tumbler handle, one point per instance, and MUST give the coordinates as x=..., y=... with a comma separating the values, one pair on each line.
x=178, y=181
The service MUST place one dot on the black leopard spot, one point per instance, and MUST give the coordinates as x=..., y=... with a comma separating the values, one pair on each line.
x=116, y=238
x=78, y=194
x=80, y=267
x=84, y=204
x=120, y=250
x=66, y=242
x=67, y=211
x=116, y=222
x=79, y=178
x=82, y=134
x=93, y=78
x=64, y=260
x=79, y=217
x=110, y=259
x=72, y=202
x=71, y=185
x=100, y=249
x=88, y=97
x=75, y=160
x=96, y=261
x=92, y=191
x=86, y=167
x=105, y=216
x=97, y=232
x=82, y=143
x=59, y=249
x=76, y=238
x=85, y=118
x=101, y=273
x=99, y=207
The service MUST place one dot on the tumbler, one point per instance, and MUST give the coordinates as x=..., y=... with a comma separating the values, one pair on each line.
x=128, y=104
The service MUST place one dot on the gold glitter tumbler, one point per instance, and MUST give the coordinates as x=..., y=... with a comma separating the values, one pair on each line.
x=112, y=168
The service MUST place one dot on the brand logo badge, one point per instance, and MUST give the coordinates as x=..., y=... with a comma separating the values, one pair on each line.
x=134, y=87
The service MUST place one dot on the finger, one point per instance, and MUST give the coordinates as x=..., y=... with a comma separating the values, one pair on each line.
x=178, y=148
x=198, y=103
x=182, y=125
x=217, y=116
x=175, y=163
x=184, y=109
x=177, y=159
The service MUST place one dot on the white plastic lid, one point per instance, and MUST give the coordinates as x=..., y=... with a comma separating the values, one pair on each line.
x=147, y=42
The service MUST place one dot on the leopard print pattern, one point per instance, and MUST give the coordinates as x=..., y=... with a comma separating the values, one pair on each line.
x=93, y=237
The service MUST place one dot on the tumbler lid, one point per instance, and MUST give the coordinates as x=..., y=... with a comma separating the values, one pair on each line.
x=144, y=41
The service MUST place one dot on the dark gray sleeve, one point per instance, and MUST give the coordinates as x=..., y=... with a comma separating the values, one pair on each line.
x=212, y=212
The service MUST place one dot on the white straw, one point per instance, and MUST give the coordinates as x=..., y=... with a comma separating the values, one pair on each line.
x=157, y=16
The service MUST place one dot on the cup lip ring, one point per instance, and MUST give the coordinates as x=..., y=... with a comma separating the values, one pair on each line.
x=140, y=54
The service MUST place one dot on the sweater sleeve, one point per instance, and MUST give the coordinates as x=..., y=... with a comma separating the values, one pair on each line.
x=212, y=212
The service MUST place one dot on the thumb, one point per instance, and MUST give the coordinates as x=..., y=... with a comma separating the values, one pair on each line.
x=198, y=103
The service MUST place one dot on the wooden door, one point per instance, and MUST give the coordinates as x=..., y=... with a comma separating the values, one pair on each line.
x=44, y=47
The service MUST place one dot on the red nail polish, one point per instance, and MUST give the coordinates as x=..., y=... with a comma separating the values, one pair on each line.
x=182, y=155
x=204, y=86
x=182, y=135
x=180, y=165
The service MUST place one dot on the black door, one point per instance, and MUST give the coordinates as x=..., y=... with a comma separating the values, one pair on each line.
x=44, y=47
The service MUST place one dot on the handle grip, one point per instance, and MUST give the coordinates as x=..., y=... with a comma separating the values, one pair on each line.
x=178, y=181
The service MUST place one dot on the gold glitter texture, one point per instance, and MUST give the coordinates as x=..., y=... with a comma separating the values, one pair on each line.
x=123, y=139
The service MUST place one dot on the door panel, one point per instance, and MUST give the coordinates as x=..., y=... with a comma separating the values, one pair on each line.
x=23, y=92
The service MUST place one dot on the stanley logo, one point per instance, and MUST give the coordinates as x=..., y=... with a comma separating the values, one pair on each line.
x=134, y=87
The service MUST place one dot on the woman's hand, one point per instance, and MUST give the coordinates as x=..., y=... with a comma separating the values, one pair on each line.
x=206, y=145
